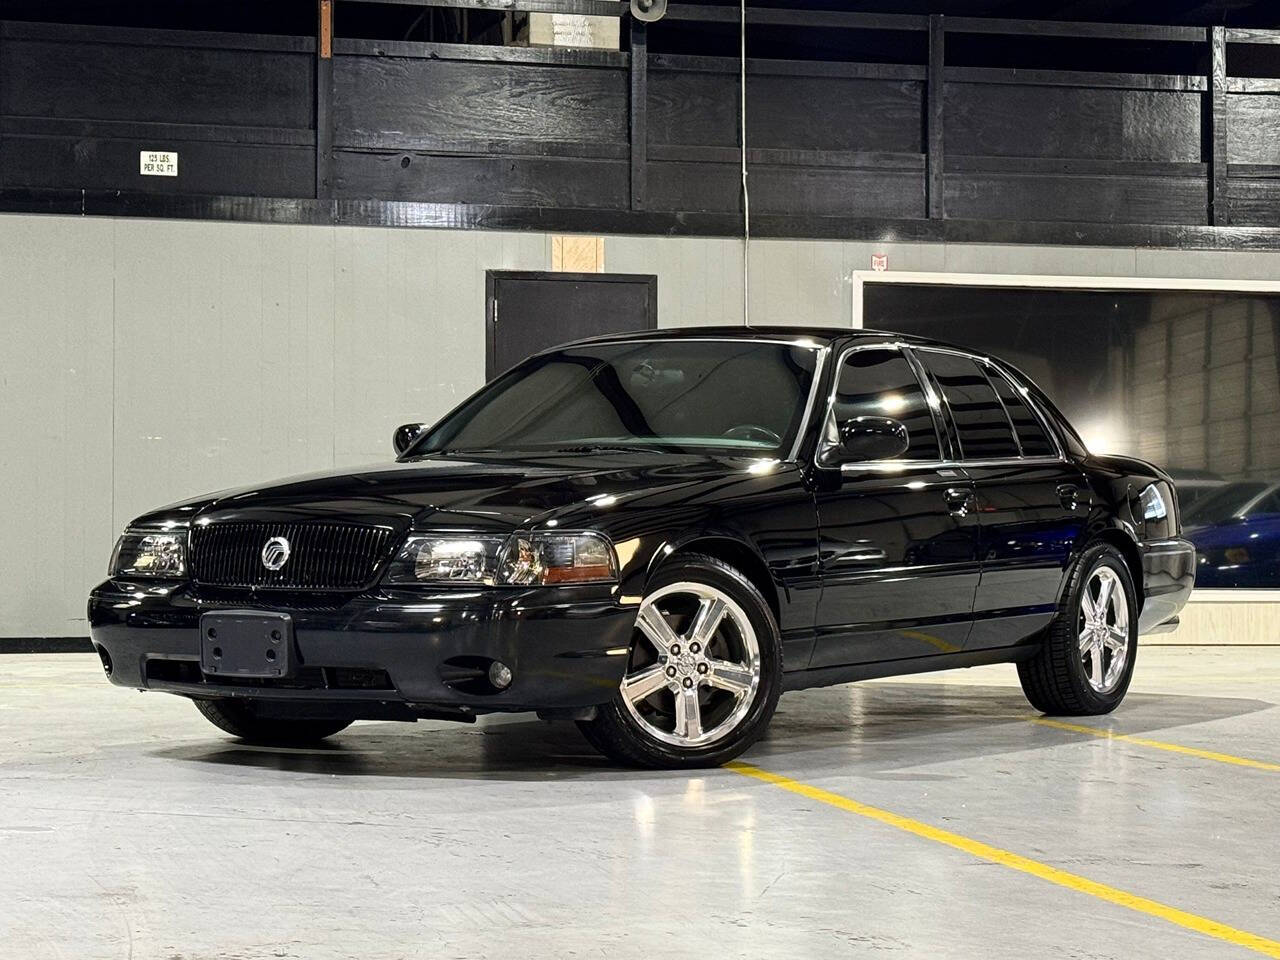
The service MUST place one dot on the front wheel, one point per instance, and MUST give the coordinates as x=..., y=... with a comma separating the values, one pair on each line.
x=240, y=718
x=1086, y=661
x=704, y=671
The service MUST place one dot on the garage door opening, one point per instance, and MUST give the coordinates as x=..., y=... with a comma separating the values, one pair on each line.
x=1186, y=379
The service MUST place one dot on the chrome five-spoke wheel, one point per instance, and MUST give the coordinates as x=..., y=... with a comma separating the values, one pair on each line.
x=1103, y=629
x=695, y=668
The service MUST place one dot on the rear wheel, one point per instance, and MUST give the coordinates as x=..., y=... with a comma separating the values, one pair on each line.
x=241, y=718
x=1086, y=662
x=704, y=672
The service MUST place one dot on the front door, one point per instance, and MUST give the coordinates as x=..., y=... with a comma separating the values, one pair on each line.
x=898, y=539
x=1031, y=502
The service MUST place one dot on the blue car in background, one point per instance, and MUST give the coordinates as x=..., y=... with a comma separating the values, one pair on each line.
x=1236, y=532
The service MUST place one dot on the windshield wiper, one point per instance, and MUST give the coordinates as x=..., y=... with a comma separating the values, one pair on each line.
x=600, y=448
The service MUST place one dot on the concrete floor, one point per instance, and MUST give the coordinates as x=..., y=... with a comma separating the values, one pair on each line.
x=129, y=827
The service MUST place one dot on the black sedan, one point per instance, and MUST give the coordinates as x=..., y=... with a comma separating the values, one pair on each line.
x=656, y=535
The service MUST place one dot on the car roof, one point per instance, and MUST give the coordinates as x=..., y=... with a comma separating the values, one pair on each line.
x=820, y=335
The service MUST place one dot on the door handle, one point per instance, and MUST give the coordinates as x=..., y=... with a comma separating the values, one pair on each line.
x=1069, y=495
x=958, y=499
x=863, y=555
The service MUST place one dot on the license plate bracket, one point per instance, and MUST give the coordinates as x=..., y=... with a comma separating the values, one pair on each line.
x=246, y=643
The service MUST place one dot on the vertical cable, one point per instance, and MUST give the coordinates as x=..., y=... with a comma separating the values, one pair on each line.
x=746, y=198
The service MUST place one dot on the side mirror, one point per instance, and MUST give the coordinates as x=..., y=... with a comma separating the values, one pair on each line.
x=872, y=438
x=404, y=436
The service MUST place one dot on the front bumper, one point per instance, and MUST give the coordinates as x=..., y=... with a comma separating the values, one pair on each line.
x=394, y=653
x=1168, y=574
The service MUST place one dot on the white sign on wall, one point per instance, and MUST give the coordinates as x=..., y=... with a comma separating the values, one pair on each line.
x=158, y=163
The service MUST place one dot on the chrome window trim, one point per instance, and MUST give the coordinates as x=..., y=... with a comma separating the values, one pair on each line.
x=1032, y=405
x=803, y=428
x=982, y=363
x=926, y=388
x=989, y=370
x=889, y=466
x=935, y=405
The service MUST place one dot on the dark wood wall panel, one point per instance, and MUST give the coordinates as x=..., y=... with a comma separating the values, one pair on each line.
x=1003, y=120
x=791, y=112
x=495, y=136
x=1088, y=199
x=79, y=104
x=123, y=81
x=511, y=181
x=206, y=168
x=1253, y=128
x=796, y=191
x=392, y=100
x=1255, y=200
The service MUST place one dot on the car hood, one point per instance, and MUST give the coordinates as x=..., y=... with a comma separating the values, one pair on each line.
x=480, y=492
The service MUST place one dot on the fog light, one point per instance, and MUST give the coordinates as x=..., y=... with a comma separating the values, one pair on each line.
x=499, y=675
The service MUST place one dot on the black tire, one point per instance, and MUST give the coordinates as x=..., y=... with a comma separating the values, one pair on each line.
x=616, y=733
x=1055, y=681
x=241, y=719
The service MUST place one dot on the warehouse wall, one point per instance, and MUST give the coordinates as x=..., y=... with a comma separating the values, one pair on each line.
x=146, y=361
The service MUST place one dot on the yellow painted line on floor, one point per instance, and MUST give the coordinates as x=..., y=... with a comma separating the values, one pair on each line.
x=1157, y=744
x=1004, y=858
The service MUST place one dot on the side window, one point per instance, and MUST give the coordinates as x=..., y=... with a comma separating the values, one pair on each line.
x=1035, y=442
x=1270, y=504
x=985, y=431
x=881, y=383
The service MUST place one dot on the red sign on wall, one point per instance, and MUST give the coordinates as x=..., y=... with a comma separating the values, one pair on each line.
x=879, y=261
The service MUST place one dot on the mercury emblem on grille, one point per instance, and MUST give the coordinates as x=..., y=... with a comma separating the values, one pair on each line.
x=275, y=553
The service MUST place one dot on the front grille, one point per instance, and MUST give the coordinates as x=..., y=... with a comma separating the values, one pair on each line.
x=322, y=556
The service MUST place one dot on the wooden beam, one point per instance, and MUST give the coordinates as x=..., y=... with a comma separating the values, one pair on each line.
x=154, y=37
x=788, y=68
x=1219, y=211
x=639, y=112
x=1077, y=78
x=784, y=157
x=1076, y=167
x=155, y=130
x=390, y=213
x=1252, y=35
x=479, y=53
x=935, y=153
x=789, y=17
x=326, y=29
x=1253, y=84
x=394, y=141
x=324, y=99
x=588, y=8
x=1062, y=28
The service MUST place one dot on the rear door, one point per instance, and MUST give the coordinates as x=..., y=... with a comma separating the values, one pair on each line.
x=1032, y=502
x=898, y=540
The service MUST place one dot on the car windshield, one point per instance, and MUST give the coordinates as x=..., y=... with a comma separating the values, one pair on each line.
x=741, y=396
x=1221, y=505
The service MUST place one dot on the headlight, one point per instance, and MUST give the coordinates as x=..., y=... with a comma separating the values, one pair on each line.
x=547, y=558
x=523, y=559
x=445, y=560
x=150, y=553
